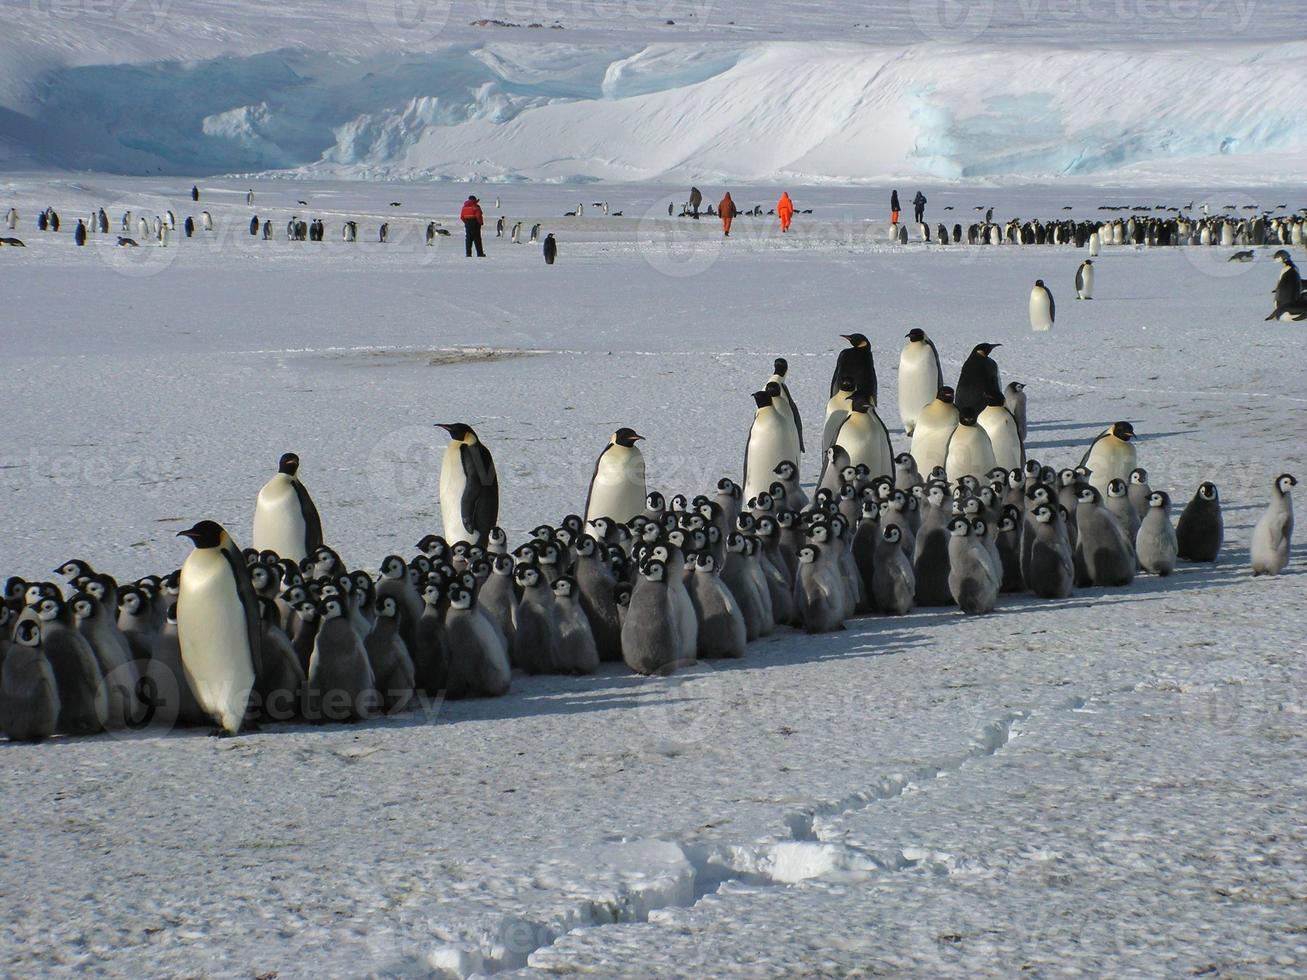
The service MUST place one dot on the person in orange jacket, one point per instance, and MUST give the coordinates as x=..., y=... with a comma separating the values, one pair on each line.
x=726, y=208
x=473, y=219
x=785, y=210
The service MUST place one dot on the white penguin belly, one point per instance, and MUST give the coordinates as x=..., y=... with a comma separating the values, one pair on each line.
x=1004, y=438
x=1040, y=315
x=969, y=453
x=1110, y=460
x=279, y=520
x=918, y=383
x=863, y=437
x=618, y=489
x=768, y=444
x=930, y=439
x=452, y=483
x=214, y=643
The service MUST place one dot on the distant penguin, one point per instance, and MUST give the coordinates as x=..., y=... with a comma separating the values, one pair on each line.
x=978, y=379
x=1200, y=532
x=935, y=425
x=768, y=445
x=516, y=236
x=617, y=487
x=1112, y=456
x=1274, y=531
x=550, y=249
x=920, y=377
x=195, y=193
x=856, y=362
x=1155, y=543
x=469, y=487
x=1094, y=244
x=1085, y=280
x=29, y=695
x=499, y=226
x=188, y=226
x=1043, y=311
x=651, y=638
x=218, y=626
x=535, y=232
x=286, y=520
x=11, y=219
x=478, y=657
x=79, y=233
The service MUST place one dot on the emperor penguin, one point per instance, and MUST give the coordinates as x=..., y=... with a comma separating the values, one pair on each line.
x=780, y=369
x=1200, y=532
x=478, y=657
x=865, y=439
x=856, y=362
x=1004, y=433
x=920, y=377
x=285, y=518
x=83, y=700
x=785, y=410
x=1043, y=311
x=1094, y=243
x=1051, y=572
x=973, y=579
x=722, y=631
x=577, y=653
x=768, y=445
x=1104, y=553
x=389, y=657
x=978, y=379
x=837, y=410
x=1155, y=542
x=29, y=695
x=469, y=486
x=893, y=584
x=617, y=487
x=1274, y=531
x=550, y=249
x=218, y=626
x=935, y=427
x=819, y=596
x=340, y=685
x=651, y=638
x=970, y=452
x=1112, y=456
x=1085, y=280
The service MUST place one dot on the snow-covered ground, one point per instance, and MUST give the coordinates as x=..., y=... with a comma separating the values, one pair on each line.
x=1106, y=785
x=624, y=90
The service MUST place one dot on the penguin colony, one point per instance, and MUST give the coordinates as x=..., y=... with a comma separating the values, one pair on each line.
x=283, y=631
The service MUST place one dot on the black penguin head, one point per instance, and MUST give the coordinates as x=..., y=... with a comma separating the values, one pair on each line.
x=458, y=431
x=1285, y=482
x=84, y=606
x=1017, y=386
x=1039, y=283
x=984, y=350
x=289, y=464
x=967, y=418
x=959, y=527
x=654, y=570
x=780, y=366
x=891, y=533
x=1088, y=495
x=809, y=553
x=72, y=569
x=1208, y=491
x=1139, y=476
x=856, y=340
x=626, y=437
x=847, y=385
x=860, y=402
x=205, y=534
x=28, y=634
x=1159, y=498
x=563, y=587
x=945, y=394
x=1116, y=488
x=773, y=389
x=761, y=399
x=1123, y=431
x=916, y=335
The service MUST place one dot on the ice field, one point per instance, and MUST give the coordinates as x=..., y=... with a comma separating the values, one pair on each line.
x=1105, y=785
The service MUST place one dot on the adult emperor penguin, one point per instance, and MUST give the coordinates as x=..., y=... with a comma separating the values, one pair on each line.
x=970, y=452
x=865, y=439
x=977, y=380
x=1085, y=280
x=1274, y=532
x=617, y=489
x=1111, y=456
x=1004, y=433
x=1043, y=311
x=935, y=427
x=550, y=249
x=218, y=626
x=1200, y=532
x=856, y=362
x=837, y=410
x=920, y=377
x=781, y=368
x=769, y=444
x=469, y=486
x=285, y=519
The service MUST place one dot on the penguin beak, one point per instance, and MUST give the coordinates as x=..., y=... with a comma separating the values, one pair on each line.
x=192, y=534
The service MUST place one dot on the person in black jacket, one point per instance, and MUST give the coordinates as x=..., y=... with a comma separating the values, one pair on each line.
x=894, y=207
x=919, y=202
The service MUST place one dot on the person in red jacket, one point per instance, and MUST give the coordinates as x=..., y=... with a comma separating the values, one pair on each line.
x=727, y=211
x=473, y=219
x=785, y=210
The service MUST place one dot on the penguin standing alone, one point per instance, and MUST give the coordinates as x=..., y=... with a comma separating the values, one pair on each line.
x=1043, y=311
x=1274, y=532
x=469, y=486
x=1200, y=532
x=1085, y=280
x=550, y=249
x=285, y=518
x=218, y=626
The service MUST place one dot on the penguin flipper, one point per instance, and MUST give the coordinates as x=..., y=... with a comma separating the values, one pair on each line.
x=249, y=605
x=312, y=522
x=480, y=504
x=794, y=411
